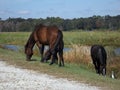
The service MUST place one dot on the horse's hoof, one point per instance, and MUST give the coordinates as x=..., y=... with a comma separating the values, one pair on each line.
x=42, y=61
x=28, y=60
x=61, y=65
x=51, y=63
x=46, y=61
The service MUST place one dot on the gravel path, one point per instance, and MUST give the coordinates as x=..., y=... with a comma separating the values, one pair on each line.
x=13, y=78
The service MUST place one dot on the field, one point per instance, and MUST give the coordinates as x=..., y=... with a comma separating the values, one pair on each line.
x=108, y=38
x=82, y=71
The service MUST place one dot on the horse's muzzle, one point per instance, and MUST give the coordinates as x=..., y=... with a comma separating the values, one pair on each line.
x=104, y=72
x=28, y=58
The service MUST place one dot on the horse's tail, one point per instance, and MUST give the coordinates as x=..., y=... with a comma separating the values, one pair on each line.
x=102, y=56
x=59, y=38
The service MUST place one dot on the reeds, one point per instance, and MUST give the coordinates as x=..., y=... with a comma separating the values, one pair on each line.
x=78, y=54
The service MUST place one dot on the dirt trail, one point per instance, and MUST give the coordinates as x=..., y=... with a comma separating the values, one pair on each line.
x=13, y=78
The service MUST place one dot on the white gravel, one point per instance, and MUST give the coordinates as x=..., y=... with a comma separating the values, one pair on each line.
x=13, y=78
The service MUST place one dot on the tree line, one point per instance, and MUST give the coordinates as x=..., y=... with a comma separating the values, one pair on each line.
x=91, y=23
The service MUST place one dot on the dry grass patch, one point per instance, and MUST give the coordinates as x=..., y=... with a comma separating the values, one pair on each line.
x=78, y=54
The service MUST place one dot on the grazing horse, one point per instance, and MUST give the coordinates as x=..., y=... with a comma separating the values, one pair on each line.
x=45, y=35
x=99, y=57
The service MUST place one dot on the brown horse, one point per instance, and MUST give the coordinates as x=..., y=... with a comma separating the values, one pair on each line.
x=46, y=35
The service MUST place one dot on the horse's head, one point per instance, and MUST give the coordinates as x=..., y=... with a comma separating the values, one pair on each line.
x=28, y=52
x=103, y=70
x=29, y=47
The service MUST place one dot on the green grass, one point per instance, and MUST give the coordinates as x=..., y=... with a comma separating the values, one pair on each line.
x=15, y=38
x=71, y=71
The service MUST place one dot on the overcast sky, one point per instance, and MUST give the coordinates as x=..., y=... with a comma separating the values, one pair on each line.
x=58, y=8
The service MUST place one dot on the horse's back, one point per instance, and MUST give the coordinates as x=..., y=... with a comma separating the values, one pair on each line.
x=46, y=34
x=42, y=35
x=97, y=48
x=98, y=53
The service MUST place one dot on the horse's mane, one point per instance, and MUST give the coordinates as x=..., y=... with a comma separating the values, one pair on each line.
x=30, y=40
x=39, y=26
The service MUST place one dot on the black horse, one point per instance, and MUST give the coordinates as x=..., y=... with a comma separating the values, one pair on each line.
x=99, y=57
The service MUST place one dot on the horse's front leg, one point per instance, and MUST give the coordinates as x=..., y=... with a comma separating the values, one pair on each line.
x=41, y=52
x=41, y=49
x=96, y=66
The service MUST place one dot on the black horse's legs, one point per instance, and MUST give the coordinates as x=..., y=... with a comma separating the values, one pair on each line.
x=96, y=66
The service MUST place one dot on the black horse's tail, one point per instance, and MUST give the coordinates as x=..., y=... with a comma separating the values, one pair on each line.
x=102, y=56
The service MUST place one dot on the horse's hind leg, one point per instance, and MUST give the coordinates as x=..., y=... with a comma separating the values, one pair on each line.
x=47, y=55
x=98, y=64
x=60, y=49
x=53, y=57
x=56, y=58
x=61, y=60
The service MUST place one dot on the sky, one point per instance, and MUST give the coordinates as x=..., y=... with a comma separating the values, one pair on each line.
x=66, y=9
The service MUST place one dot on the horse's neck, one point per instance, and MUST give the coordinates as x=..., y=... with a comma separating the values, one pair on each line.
x=31, y=41
x=31, y=45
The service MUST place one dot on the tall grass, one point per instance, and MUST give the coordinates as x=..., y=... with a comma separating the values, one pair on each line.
x=15, y=38
x=108, y=38
x=78, y=54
